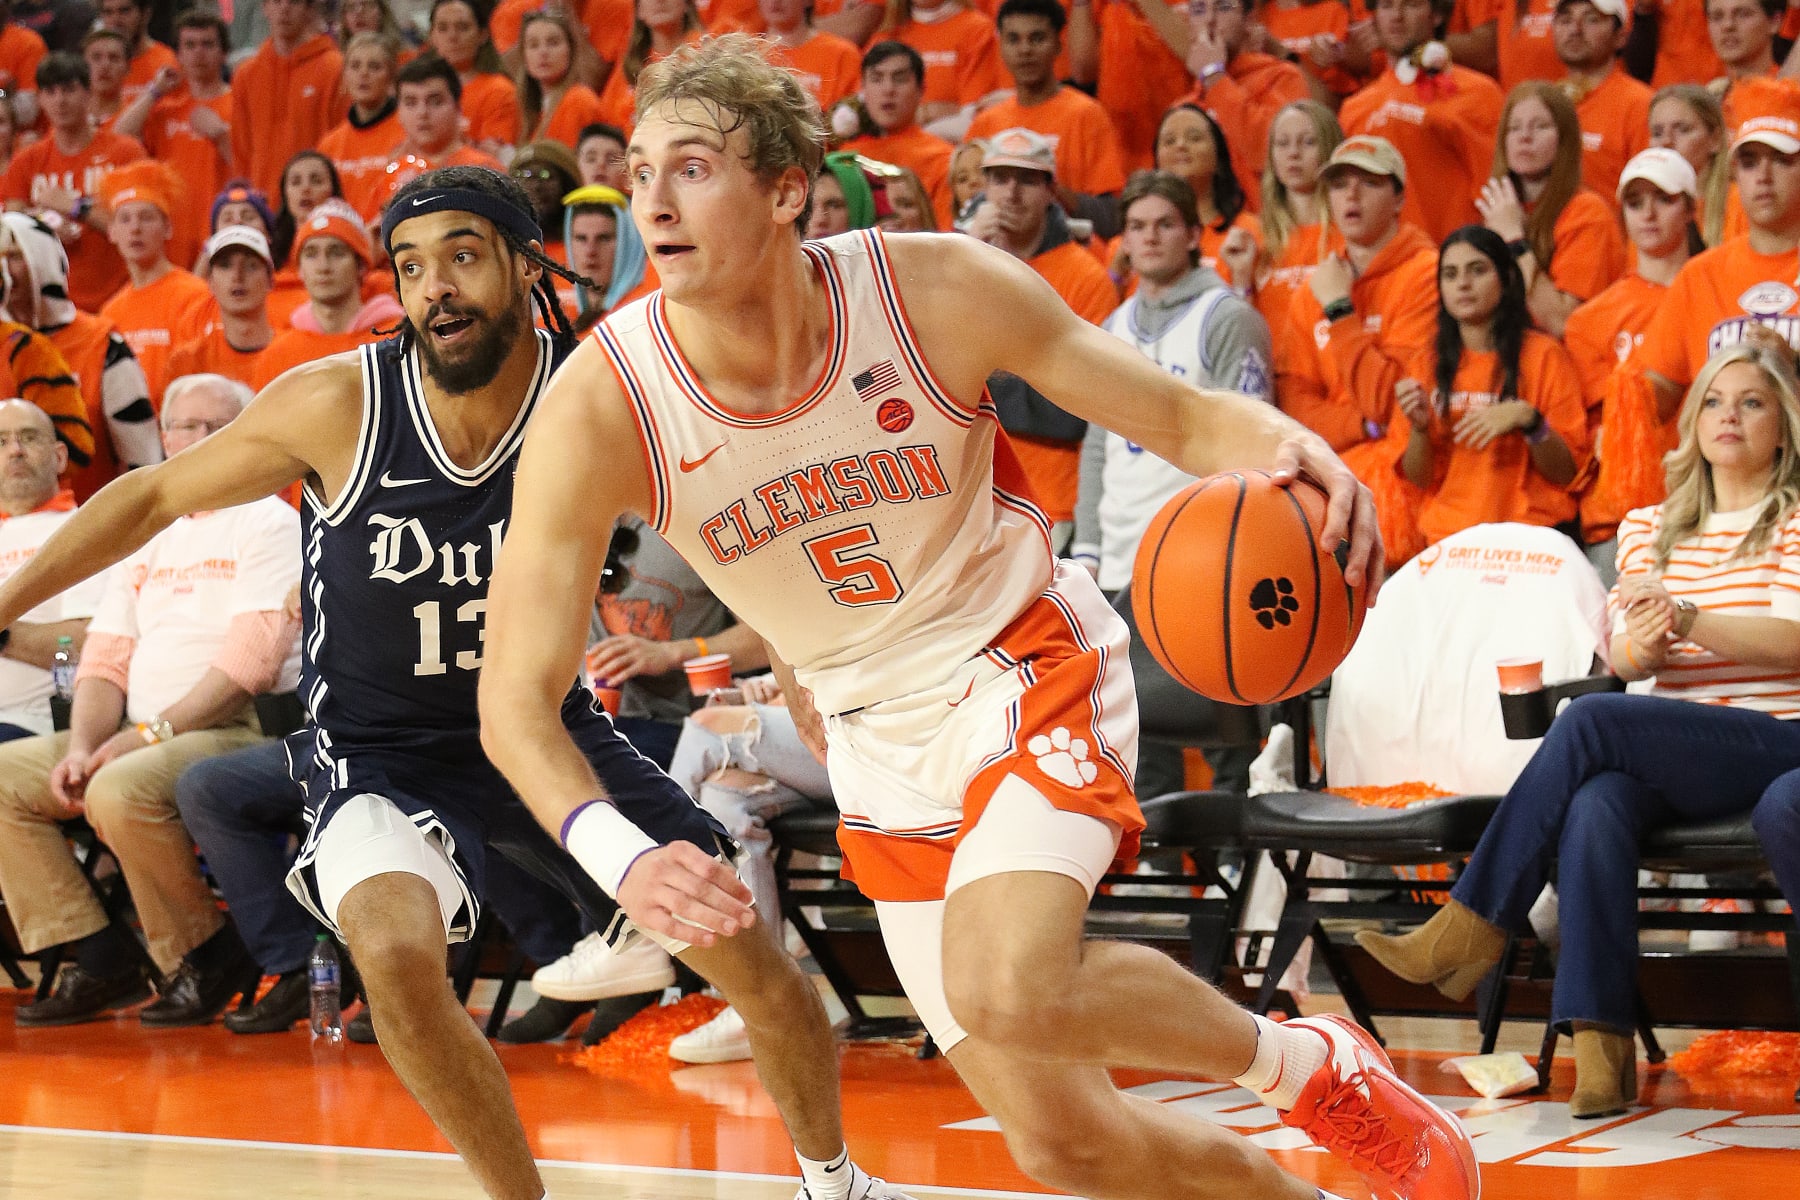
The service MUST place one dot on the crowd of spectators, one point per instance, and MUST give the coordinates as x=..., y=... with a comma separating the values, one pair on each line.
x=1482, y=248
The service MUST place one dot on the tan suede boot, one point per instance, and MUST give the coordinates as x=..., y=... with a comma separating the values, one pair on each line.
x=1452, y=951
x=1605, y=1073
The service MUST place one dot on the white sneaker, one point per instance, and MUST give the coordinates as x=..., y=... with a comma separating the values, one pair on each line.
x=722, y=1039
x=594, y=971
x=864, y=1186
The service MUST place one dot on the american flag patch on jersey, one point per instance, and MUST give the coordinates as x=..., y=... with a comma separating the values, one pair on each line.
x=878, y=378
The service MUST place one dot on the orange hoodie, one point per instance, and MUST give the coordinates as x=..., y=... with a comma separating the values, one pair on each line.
x=282, y=104
x=1244, y=101
x=1337, y=378
x=1140, y=77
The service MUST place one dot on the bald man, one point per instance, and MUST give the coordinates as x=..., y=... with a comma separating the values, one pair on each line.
x=32, y=507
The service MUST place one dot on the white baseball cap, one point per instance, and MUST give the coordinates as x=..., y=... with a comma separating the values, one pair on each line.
x=242, y=236
x=1659, y=165
x=1620, y=10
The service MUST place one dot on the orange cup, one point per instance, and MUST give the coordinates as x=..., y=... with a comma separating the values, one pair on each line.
x=708, y=672
x=1519, y=676
x=608, y=696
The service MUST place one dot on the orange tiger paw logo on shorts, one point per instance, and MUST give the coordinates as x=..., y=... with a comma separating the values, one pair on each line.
x=1063, y=757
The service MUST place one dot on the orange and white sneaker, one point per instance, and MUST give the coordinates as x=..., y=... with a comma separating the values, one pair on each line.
x=1403, y=1146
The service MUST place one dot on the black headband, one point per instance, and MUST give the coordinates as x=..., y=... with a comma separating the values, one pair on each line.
x=501, y=212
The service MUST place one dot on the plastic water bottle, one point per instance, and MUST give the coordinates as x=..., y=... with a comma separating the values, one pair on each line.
x=62, y=669
x=327, y=1019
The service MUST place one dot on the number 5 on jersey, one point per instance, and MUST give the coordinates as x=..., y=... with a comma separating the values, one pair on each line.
x=855, y=578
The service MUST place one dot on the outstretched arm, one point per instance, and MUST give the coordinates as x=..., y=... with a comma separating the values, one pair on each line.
x=257, y=455
x=537, y=624
x=959, y=284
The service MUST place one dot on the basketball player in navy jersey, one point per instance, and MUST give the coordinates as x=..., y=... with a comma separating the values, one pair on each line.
x=807, y=424
x=407, y=449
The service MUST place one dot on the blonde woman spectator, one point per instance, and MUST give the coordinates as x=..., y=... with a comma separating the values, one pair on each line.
x=965, y=175
x=1294, y=228
x=1686, y=118
x=554, y=102
x=911, y=205
x=658, y=27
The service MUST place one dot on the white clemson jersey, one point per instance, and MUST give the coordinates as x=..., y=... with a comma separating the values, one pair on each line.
x=876, y=530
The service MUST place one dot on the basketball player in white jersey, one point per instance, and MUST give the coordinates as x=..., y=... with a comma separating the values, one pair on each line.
x=808, y=425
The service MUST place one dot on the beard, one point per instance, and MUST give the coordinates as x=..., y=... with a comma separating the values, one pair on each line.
x=478, y=362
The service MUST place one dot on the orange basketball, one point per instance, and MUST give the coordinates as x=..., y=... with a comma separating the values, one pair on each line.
x=1233, y=595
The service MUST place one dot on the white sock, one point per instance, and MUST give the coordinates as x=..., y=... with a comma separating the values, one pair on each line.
x=1285, y=1060
x=827, y=1180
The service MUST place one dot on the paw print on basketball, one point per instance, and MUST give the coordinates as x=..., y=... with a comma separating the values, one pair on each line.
x=1063, y=758
x=1273, y=602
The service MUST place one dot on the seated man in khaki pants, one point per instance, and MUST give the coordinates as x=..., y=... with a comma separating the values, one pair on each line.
x=191, y=627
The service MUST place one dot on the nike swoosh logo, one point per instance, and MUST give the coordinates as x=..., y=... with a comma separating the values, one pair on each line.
x=424, y=200
x=695, y=464
x=388, y=481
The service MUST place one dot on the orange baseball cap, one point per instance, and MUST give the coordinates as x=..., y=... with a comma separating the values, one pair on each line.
x=1766, y=111
x=334, y=218
x=146, y=181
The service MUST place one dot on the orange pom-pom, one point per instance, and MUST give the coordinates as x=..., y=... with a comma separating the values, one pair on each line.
x=642, y=1043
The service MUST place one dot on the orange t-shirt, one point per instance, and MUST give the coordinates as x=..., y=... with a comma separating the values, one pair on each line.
x=1496, y=483
x=168, y=135
x=1684, y=50
x=142, y=69
x=1212, y=239
x=21, y=51
x=829, y=67
x=298, y=346
x=1615, y=126
x=1301, y=253
x=618, y=98
x=282, y=104
x=1296, y=27
x=1526, y=46
x=1712, y=300
x=962, y=57
x=1087, y=149
x=579, y=107
x=95, y=269
x=490, y=109
x=362, y=157
x=1244, y=101
x=1140, y=77
x=286, y=293
x=211, y=352
x=156, y=319
x=1447, y=141
x=1589, y=250
x=608, y=24
x=1602, y=334
x=925, y=155
x=1053, y=469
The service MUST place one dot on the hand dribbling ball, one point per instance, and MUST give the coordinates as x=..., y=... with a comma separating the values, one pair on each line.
x=1233, y=595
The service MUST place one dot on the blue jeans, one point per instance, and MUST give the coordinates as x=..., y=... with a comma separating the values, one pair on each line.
x=241, y=809
x=1612, y=767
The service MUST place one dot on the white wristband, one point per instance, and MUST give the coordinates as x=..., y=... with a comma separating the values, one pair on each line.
x=605, y=843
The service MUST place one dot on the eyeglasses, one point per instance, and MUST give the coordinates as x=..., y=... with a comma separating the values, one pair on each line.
x=538, y=173
x=26, y=439
x=196, y=426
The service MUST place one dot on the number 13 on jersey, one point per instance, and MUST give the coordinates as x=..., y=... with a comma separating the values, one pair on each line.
x=852, y=575
x=431, y=640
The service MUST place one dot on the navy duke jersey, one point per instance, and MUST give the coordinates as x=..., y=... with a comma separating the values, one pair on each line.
x=395, y=575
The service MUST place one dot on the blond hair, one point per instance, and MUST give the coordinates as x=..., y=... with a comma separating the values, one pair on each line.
x=1715, y=177
x=732, y=78
x=637, y=45
x=1691, y=500
x=1565, y=169
x=1278, y=219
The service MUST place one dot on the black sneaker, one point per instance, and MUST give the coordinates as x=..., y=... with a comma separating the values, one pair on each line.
x=545, y=1021
x=80, y=997
x=361, y=1028
x=288, y=1001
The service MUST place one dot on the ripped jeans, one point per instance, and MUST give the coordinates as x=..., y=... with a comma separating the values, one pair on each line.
x=769, y=746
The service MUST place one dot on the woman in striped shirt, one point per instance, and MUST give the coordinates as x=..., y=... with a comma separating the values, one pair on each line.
x=1707, y=609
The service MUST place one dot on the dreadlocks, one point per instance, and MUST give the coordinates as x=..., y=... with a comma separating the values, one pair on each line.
x=501, y=200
